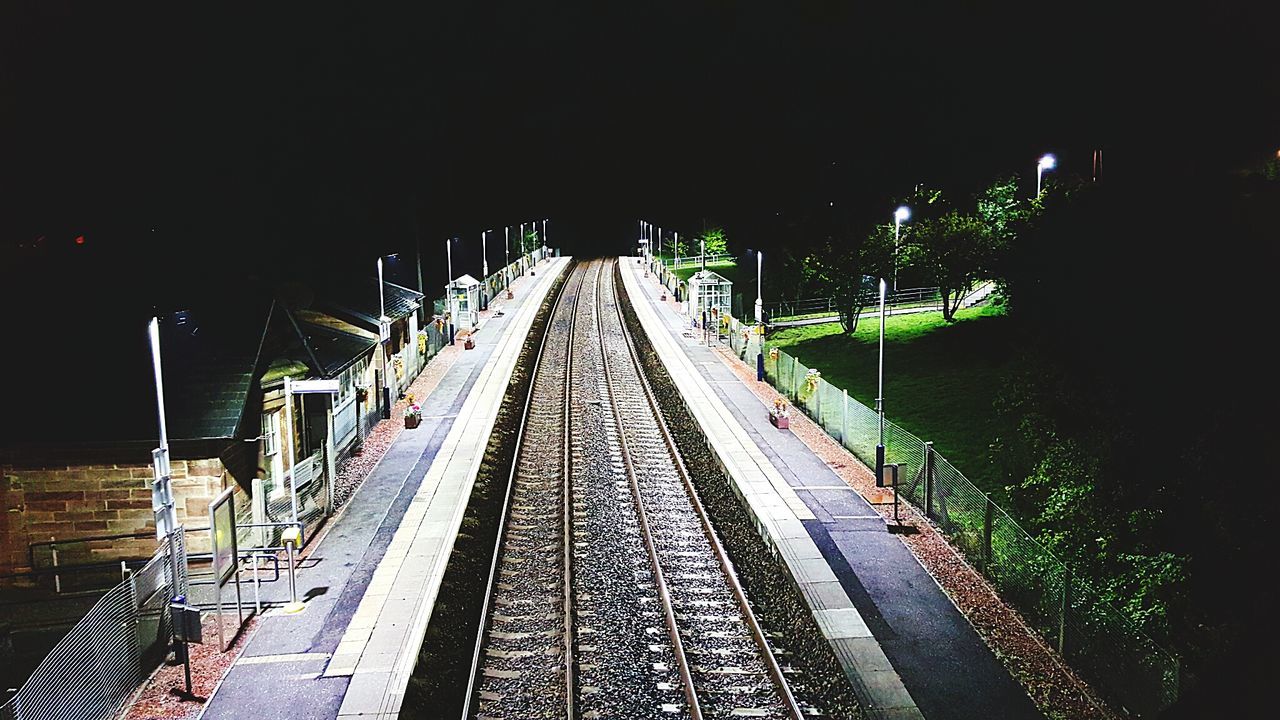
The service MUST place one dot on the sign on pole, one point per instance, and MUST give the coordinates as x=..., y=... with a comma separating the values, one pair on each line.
x=162, y=494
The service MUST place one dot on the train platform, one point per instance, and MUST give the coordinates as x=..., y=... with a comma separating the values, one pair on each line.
x=908, y=650
x=370, y=582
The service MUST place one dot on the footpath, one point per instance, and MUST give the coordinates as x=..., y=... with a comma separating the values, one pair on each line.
x=312, y=664
x=947, y=669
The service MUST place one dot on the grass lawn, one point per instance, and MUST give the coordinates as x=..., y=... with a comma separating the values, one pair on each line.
x=727, y=269
x=940, y=379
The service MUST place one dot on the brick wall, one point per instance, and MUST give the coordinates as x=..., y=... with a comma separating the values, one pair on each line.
x=72, y=502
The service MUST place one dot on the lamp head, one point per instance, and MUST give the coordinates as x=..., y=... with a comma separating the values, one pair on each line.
x=1048, y=162
x=902, y=214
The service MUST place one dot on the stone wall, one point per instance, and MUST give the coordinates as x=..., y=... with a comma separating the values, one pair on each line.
x=73, y=502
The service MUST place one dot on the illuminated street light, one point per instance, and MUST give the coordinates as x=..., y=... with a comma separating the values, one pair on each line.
x=1048, y=162
x=901, y=215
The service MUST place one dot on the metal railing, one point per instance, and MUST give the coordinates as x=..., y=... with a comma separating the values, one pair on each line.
x=100, y=662
x=1101, y=643
x=695, y=260
x=928, y=297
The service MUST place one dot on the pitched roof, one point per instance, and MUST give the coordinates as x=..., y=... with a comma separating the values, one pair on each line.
x=334, y=349
x=210, y=358
x=358, y=302
x=90, y=377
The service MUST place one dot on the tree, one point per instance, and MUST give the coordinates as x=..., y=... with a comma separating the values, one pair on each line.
x=1002, y=210
x=714, y=241
x=530, y=241
x=678, y=246
x=846, y=271
x=953, y=250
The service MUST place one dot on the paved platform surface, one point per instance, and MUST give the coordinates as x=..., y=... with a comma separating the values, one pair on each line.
x=946, y=669
x=287, y=669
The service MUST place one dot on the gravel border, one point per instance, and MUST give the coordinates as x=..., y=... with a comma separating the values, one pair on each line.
x=157, y=698
x=1054, y=688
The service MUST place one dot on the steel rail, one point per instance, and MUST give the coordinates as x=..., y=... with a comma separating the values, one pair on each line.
x=673, y=631
x=502, y=522
x=726, y=565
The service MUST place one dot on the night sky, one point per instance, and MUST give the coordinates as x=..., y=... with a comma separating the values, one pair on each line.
x=311, y=133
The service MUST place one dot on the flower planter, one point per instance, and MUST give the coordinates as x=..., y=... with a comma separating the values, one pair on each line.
x=782, y=422
x=469, y=344
x=412, y=421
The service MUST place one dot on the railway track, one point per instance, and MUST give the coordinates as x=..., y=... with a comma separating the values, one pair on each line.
x=523, y=661
x=641, y=614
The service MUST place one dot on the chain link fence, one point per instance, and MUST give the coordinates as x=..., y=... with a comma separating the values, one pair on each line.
x=103, y=658
x=1120, y=660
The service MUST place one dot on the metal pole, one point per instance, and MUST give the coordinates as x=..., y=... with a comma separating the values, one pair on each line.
x=928, y=479
x=449, y=306
x=422, y=317
x=759, y=300
x=382, y=302
x=1039, y=174
x=484, y=255
x=57, y=579
x=897, y=225
x=386, y=362
x=986, y=535
x=844, y=421
x=1066, y=607
x=880, y=395
x=288, y=414
x=165, y=490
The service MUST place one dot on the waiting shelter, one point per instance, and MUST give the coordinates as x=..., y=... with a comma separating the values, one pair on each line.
x=709, y=292
x=463, y=295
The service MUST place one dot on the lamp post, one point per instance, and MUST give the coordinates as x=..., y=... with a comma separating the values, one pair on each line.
x=506, y=250
x=901, y=215
x=880, y=396
x=452, y=306
x=544, y=235
x=1046, y=162
x=759, y=299
x=384, y=339
x=484, y=255
x=162, y=503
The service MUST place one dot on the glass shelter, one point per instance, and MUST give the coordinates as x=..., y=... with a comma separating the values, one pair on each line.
x=709, y=292
x=464, y=302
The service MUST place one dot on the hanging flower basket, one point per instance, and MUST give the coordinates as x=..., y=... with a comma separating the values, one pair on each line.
x=811, y=379
x=773, y=354
x=422, y=343
x=398, y=365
